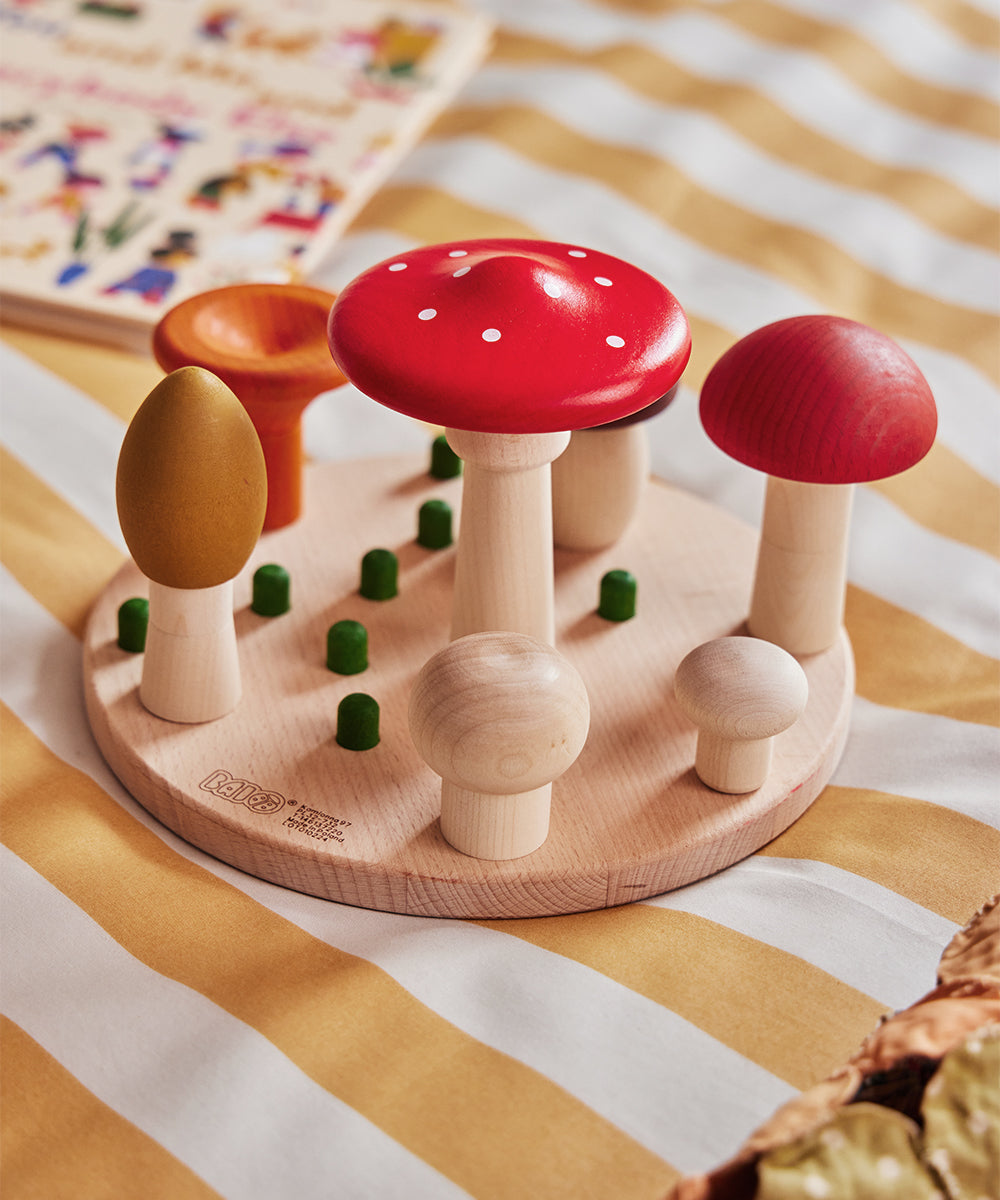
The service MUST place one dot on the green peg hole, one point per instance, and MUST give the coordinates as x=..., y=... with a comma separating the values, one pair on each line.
x=434, y=524
x=357, y=722
x=347, y=647
x=618, y=592
x=379, y=575
x=133, y=620
x=272, y=590
x=445, y=463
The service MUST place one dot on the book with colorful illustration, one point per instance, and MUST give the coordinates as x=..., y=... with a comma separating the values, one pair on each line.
x=152, y=149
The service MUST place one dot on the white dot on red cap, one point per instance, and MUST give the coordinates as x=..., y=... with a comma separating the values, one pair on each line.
x=457, y=253
x=461, y=271
x=491, y=335
x=578, y=254
x=427, y=314
x=602, y=281
x=615, y=341
x=398, y=267
x=553, y=289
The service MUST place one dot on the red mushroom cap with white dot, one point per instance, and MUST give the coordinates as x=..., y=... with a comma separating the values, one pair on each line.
x=508, y=335
x=819, y=399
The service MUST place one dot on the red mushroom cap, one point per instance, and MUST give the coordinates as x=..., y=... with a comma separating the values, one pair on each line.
x=506, y=335
x=819, y=399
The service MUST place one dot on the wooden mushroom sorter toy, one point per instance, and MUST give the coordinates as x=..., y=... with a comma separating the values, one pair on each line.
x=267, y=788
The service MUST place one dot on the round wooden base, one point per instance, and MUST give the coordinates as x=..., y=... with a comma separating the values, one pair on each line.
x=268, y=789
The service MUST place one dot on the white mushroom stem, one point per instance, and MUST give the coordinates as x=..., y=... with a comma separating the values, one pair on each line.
x=190, y=670
x=801, y=576
x=504, y=560
x=597, y=485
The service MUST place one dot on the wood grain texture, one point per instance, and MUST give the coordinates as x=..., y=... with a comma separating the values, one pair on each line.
x=499, y=716
x=597, y=483
x=800, y=581
x=741, y=692
x=267, y=341
x=819, y=399
x=268, y=790
x=504, y=566
x=190, y=668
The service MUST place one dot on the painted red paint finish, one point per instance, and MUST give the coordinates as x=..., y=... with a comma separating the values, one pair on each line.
x=506, y=335
x=819, y=399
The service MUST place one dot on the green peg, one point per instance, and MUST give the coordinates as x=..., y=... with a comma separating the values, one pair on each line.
x=445, y=463
x=347, y=647
x=357, y=722
x=617, y=603
x=133, y=619
x=434, y=524
x=379, y=575
x=271, y=591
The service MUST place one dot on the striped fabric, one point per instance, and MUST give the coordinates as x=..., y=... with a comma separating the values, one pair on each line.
x=175, y=1029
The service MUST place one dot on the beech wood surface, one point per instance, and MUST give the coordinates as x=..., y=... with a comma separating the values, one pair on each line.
x=504, y=567
x=499, y=716
x=267, y=789
x=190, y=669
x=800, y=581
x=597, y=483
x=741, y=692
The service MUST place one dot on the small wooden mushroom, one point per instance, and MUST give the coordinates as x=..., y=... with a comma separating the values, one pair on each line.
x=191, y=492
x=508, y=343
x=498, y=716
x=820, y=403
x=740, y=692
x=267, y=341
x=598, y=481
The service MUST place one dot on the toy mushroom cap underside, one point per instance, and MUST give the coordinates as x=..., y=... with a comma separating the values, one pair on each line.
x=819, y=399
x=507, y=335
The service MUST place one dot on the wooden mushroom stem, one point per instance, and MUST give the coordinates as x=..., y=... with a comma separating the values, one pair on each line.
x=495, y=827
x=191, y=669
x=597, y=484
x=278, y=421
x=800, y=580
x=504, y=560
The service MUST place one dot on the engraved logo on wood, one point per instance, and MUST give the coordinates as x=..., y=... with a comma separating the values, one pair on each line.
x=243, y=791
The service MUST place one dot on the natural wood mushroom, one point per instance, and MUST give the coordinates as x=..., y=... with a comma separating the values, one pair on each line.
x=498, y=716
x=599, y=479
x=740, y=692
x=820, y=403
x=267, y=341
x=191, y=491
x=508, y=343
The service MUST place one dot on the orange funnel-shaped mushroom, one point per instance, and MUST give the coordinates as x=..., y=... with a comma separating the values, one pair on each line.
x=267, y=341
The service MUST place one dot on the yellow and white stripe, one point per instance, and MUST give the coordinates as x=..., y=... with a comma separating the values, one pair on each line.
x=175, y=1029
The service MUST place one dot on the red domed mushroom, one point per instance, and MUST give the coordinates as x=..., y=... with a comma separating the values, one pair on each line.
x=820, y=403
x=508, y=343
